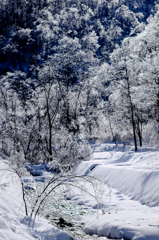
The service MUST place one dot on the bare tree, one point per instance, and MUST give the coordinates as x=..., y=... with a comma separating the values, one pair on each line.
x=131, y=104
x=33, y=203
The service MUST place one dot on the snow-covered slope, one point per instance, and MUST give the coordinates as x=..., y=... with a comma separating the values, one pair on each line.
x=132, y=210
x=13, y=223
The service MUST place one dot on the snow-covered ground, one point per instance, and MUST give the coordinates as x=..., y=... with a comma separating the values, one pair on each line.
x=13, y=223
x=132, y=202
x=130, y=198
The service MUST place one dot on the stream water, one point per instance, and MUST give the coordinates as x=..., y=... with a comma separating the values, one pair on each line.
x=63, y=213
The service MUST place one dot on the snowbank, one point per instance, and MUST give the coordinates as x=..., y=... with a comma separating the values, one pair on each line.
x=14, y=225
x=132, y=211
x=139, y=184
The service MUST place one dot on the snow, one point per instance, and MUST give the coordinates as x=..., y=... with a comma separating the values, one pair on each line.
x=129, y=197
x=131, y=209
x=14, y=225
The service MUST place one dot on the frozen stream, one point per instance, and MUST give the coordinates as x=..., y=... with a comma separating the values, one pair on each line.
x=130, y=201
x=63, y=213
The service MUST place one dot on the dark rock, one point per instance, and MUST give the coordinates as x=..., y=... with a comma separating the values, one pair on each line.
x=63, y=223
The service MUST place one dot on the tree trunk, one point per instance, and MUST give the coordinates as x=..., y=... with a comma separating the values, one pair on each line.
x=131, y=108
x=134, y=127
x=113, y=136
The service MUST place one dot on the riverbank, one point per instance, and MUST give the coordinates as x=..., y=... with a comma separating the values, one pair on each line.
x=14, y=225
x=129, y=197
x=132, y=209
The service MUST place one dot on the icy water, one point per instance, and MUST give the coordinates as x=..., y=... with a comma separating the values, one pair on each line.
x=59, y=210
x=63, y=213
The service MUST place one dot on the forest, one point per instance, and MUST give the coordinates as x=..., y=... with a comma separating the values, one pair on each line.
x=75, y=72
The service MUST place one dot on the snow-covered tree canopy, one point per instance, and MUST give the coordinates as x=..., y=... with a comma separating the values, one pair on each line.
x=73, y=71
